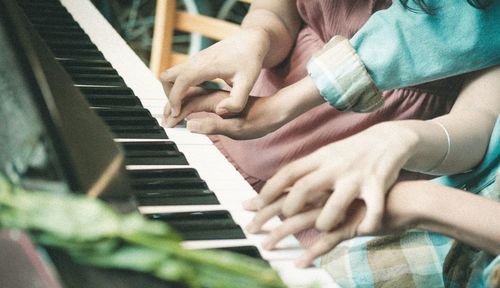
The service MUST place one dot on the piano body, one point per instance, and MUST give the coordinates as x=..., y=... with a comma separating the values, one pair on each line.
x=77, y=84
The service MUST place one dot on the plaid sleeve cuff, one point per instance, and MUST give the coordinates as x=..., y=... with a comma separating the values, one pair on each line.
x=341, y=78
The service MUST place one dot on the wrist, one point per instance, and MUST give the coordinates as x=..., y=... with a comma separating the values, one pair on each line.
x=400, y=139
x=300, y=97
x=427, y=212
x=273, y=35
x=258, y=35
x=260, y=39
x=408, y=204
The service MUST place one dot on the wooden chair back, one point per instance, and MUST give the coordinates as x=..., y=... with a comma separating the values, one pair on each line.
x=168, y=20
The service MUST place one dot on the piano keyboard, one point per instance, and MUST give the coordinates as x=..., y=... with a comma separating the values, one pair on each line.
x=178, y=177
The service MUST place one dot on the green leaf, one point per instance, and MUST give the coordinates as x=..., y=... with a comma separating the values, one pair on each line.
x=92, y=233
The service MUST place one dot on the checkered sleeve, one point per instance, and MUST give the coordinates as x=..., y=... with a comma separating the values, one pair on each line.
x=342, y=79
x=412, y=259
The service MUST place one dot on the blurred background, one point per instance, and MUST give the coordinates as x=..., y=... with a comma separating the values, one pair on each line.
x=134, y=20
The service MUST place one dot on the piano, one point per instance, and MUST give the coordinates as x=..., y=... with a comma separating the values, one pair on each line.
x=172, y=175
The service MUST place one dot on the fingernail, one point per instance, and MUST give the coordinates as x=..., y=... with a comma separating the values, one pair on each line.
x=194, y=126
x=249, y=204
x=251, y=227
x=221, y=111
x=173, y=111
x=254, y=203
x=267, y=244
x=170, y=122
x=302, y=262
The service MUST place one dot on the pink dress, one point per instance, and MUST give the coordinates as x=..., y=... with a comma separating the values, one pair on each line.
x=323, y=19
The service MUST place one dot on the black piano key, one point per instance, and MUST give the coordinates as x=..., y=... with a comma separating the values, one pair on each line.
x=206, y=225
x=97, y=79
x=77, y=53
x=41, y=5
x=171, y=191
x=153, y=153
x=42, y=19
x=126, y=116
x=54, y=32
x=104, y=91
x=85, y=64
x=110, y=96
x=250, y=251
x=47, y=12
x=71, y=43
x=72, y=70
x=181, y=186
x=180, y=197
x=31, y=10
x=158, y=185
x=154, y=174
x=117, y=113
x=113, y=101
x=138, y=132
x=132, y=123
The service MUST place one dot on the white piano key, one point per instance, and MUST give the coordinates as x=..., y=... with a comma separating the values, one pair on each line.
x=210, y=244
x=182, y=136
x=178, y=208
x=146, y=167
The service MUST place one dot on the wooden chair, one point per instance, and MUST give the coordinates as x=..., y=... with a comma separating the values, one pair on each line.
x=168, y=19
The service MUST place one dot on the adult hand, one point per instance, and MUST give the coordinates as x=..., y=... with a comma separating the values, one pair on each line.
x=237, y=60
x=361, y=167
x=261, y=115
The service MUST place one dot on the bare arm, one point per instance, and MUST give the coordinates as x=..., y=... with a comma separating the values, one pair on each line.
x=278, y=22
x=469, y=125
x=464, y=216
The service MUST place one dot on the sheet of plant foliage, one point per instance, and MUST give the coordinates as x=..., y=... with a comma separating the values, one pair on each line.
x=92, y=233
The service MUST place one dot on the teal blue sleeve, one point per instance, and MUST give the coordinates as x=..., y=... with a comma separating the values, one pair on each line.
x=402, y=48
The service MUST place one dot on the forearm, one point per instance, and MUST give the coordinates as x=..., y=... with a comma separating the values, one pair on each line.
x=469, y=126
x=463, y=216
x=428, y=143
x=277, y=23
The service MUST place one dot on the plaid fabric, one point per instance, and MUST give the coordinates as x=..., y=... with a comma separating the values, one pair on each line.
x=342, y=79
x=413, y=259
x=466, y=266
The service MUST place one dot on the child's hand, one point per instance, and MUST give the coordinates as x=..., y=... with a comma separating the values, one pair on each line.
x=260, y=116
